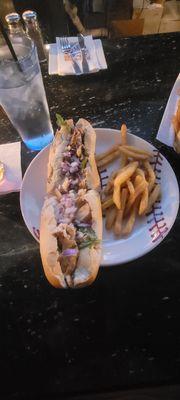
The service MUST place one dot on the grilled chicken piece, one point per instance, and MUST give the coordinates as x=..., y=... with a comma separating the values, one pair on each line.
x=66, y=240
x=84, y=213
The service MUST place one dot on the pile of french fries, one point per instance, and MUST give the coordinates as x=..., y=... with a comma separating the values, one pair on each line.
x=131, y=191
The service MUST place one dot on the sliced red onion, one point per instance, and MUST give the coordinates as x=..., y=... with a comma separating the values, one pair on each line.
x=65, y=166
x=83, y=224
x=75, y=163
x=69, y=203
x=70, y=252
x=67, y=154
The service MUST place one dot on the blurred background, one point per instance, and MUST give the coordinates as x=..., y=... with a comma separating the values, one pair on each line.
x=108, y=18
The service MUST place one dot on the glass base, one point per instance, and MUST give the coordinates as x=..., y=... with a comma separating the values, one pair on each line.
x=40, y=142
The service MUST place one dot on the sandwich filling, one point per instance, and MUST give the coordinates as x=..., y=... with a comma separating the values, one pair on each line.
x=73, y=214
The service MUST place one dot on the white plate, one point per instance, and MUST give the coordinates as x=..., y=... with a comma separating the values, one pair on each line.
x=148, y=232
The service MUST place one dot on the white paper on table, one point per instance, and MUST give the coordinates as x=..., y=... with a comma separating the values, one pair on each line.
x=166, y=131
x=66, y=67
x=10, y=155
x=53, y=59
x=53, y=63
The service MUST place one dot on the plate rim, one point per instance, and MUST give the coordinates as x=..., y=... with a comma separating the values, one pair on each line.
x=114, y=261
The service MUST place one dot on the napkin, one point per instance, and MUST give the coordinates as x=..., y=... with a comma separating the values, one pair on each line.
x=166, y=131
x=10, y=156
x=60, y=63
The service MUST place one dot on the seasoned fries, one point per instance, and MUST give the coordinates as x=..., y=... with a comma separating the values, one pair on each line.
x=107, y=203
x=139, y=189
x=124, y=174
x=106, y=153
x=130, y=187
x=131, y=191
x=151, y=175
x=154, y=196
x=132, y=154
x=144, y=198
x=143, y=206
x=110, y=217
x=119, y=214
x=123, y=133
x=139, y=151
x=110, y=183
x=109, y=158
x=130, y=222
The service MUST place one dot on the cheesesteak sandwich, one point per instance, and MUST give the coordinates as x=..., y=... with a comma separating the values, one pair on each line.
x=71, y=217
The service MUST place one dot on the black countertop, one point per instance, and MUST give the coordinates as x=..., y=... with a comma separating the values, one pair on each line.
x=123, y=331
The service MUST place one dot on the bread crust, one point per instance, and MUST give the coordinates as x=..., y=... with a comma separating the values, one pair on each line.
x=89, y=258
x=48, y=243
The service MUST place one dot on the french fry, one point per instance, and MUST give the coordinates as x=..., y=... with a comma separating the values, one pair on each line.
x=175, y=123
x=130, y=221
x=107, y=203
x=137, y=180
x=123, y=160
x=130, y=191
x=108, y=159
x=110, y=183
x=151, y=175
x=123, y=133
x=135, y=149
x=143, y=202
x=106, y=153
x=124, y=174
x=177, y=143
x=178, y=111
x=110, y=217
x=144, y=198
x=176, y=118
x=154, y=196
x=130, y=187
x=138, y=190
x=132, y=154
x=140, y=172
x=119, y=214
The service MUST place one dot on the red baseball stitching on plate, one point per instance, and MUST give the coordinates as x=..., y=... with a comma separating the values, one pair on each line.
x=36, y=232
x=155, y=217
x=103, y=177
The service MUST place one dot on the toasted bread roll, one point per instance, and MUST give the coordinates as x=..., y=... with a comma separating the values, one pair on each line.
x=71, y=217
x=89, y=257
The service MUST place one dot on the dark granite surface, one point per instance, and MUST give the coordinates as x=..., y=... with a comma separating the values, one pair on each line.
x=123, y=331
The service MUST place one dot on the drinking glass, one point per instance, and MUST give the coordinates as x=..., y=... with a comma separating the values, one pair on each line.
x=23, y=97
